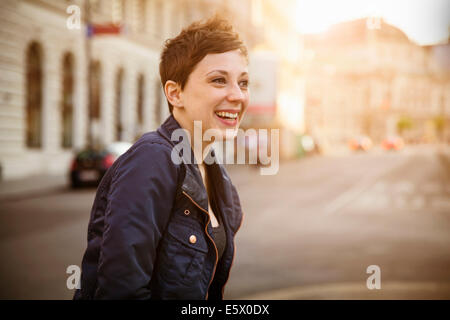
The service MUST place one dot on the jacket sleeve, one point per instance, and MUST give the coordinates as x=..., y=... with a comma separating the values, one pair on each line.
x=139, y=204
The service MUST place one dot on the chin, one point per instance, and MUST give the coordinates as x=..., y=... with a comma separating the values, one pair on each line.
x=218, y=134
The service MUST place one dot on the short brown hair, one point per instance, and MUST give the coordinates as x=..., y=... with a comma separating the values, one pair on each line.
x=181, y=54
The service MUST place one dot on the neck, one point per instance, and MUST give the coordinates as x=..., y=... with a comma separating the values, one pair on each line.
x=200, y=148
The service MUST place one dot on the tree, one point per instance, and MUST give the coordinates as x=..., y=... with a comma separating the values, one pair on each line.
x=439, y=124
x=403, y=124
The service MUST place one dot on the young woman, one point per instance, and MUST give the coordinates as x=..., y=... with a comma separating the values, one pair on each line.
x=164, y=229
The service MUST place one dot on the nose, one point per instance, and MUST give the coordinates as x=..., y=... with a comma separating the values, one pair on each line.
x=235, y=94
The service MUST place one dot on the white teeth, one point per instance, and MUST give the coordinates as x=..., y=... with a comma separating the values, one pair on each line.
x=227, y=114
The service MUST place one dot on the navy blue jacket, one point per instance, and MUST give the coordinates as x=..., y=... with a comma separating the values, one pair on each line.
x=140, y=235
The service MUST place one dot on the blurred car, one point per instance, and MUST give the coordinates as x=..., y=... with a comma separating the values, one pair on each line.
x=307, y=145
x=392, y=143
x=361, y=143
x=89, y=165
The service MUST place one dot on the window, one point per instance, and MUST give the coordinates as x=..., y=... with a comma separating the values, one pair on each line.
x=140, y=11
x=94, y=90
x=67, y=101
x=157, y=19
x=95, y=5
x=158, y=111
x=34, y=96
x=94, y=100
x=140, y=104
x=118, y=127
x=118, y=11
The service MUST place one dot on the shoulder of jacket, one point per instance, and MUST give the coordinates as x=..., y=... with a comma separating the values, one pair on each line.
x=151, y=138
x=151, y=145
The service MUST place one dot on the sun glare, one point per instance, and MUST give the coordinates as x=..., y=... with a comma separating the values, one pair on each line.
x=424, y=21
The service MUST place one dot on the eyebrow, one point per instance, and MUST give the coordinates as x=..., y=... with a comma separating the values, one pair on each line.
x=226, y=73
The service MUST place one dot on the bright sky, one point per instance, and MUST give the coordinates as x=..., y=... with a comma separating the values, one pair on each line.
x=424, y=21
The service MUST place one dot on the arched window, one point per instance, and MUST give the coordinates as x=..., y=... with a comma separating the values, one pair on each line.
x=158, y=110
x=34, y=96
x=140, y=105
x=67, y=101
x=118, y=127
x=118, y=11
x=139, y=16
x=158, y=28
x=94, y=99
x=95, y=87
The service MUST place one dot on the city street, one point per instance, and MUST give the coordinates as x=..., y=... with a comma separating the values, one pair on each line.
x=309, y=232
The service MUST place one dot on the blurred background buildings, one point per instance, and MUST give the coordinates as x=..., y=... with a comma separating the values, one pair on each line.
x=47, y=109
x=366, y=77
x=59, y=87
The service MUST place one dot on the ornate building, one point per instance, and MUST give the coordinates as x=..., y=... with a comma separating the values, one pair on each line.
x=366, y=77
x=50, y=104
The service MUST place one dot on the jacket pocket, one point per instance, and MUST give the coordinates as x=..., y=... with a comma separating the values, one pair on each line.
x=188, y=235
x=182, y=254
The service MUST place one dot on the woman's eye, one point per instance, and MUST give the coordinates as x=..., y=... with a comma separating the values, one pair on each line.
x=219, y=80
x=244, y=83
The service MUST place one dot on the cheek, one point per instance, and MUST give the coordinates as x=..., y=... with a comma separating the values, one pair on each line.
x=247, y=97
x=204, y=99
x=246, y=100
x=210, y=100
x=195, y=105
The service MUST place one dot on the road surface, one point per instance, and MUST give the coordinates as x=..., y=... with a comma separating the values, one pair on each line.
x=309, y=232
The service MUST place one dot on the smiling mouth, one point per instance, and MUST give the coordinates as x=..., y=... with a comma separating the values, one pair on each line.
x=225, y=115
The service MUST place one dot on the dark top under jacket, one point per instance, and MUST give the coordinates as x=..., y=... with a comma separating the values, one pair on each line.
x=148, y=234
x=219, y=235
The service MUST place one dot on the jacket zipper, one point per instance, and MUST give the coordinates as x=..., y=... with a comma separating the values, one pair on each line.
x=215, y=247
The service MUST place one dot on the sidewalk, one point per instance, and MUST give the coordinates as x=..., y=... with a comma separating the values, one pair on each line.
x=390, y=290
x=34, y=186
x=39, y=185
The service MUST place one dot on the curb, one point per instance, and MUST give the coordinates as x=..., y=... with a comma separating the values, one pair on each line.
x=390, y=290
x=16, y=190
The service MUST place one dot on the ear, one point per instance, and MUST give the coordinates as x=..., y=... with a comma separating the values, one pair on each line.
x=173, y=93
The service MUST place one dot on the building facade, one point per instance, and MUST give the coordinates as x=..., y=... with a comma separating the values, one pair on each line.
x=366, y=77
x=277, y=89
x=50, y=105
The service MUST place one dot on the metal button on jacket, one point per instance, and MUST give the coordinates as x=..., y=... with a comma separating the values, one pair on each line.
x=187, y=212
x=192, y=239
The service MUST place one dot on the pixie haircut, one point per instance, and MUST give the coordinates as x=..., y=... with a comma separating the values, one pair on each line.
x=181, y=54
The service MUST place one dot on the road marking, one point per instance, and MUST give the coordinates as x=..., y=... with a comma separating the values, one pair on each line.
x=404, y=187
x=441, y=203
x=418, y=202
x=431, y=188
x=399, y=202
x=365, y=183
x=358, y=290
x=380, y=187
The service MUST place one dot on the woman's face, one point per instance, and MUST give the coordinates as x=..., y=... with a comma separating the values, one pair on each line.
x=216, y=93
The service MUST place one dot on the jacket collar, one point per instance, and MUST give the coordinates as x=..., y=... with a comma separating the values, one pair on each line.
x=192, y=182
x=193, y=185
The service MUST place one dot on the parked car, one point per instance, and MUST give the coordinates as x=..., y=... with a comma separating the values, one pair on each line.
x=307, y=145
x=393, y=143
x=89, y=165
x=361, y=143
